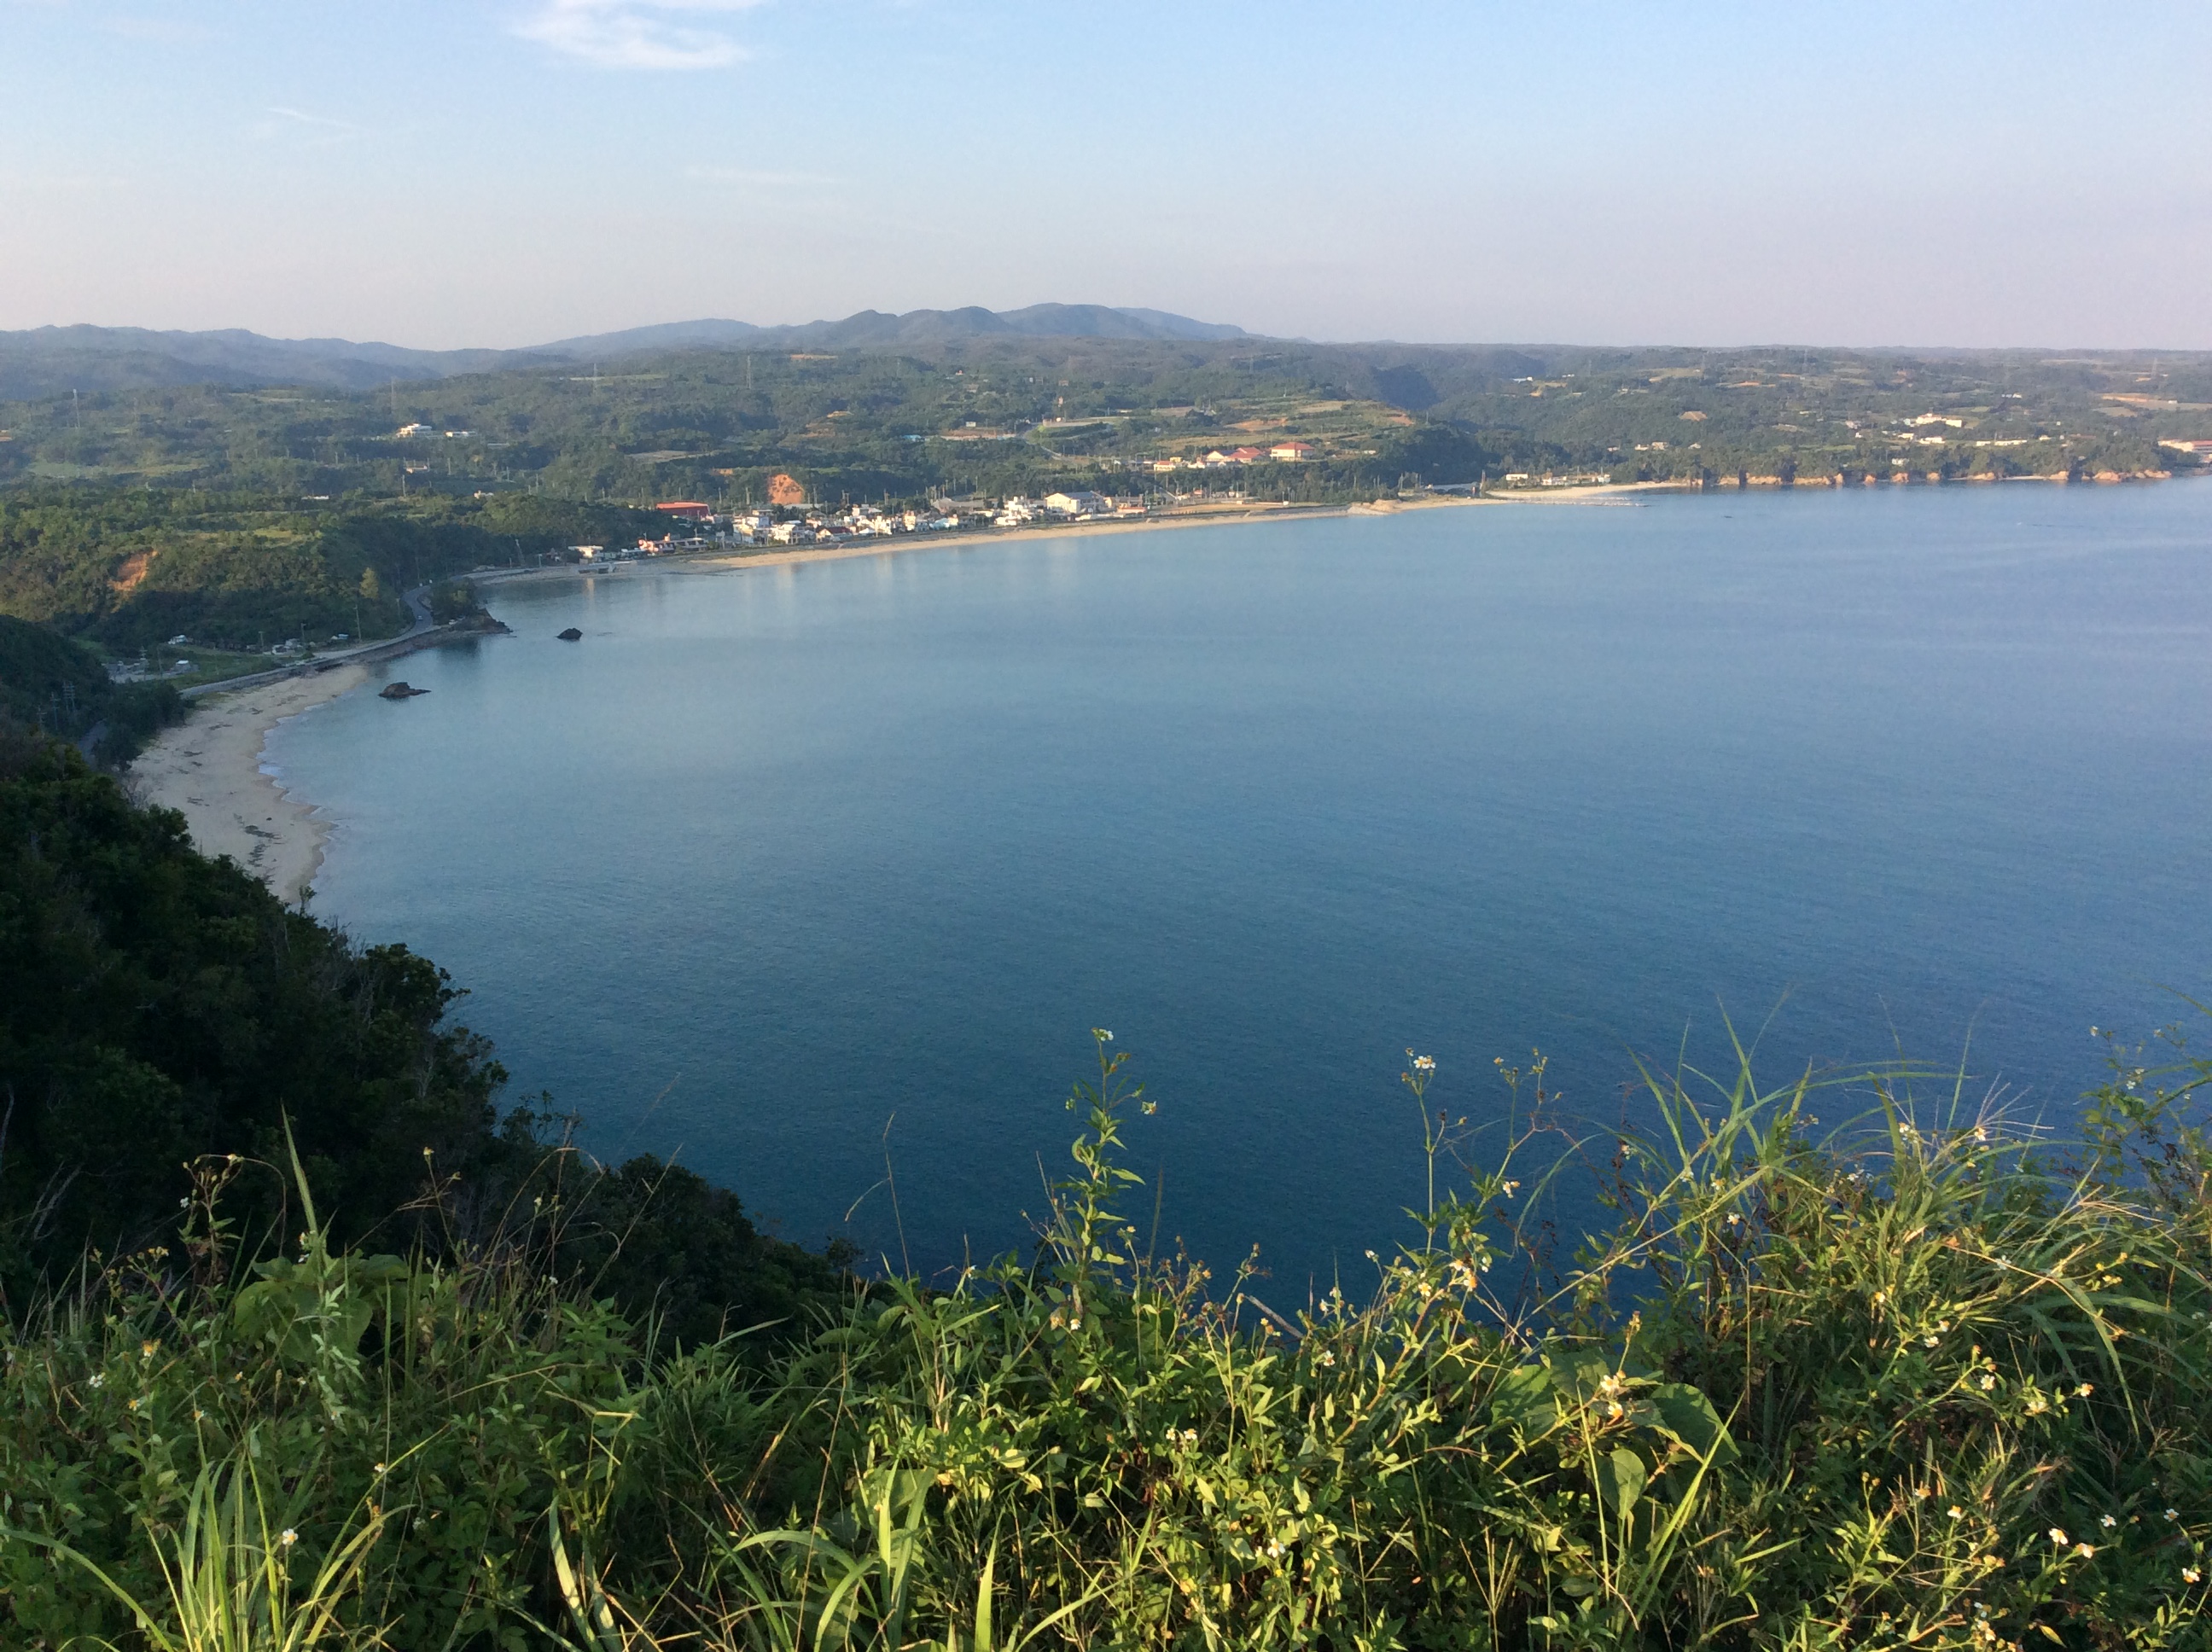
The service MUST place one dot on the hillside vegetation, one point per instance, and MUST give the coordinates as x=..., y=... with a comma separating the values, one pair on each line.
x=1916, y=1377
x=998, y=415
x=241, y=518
x=129, y=568
x=53, y=684
x=158, y=1009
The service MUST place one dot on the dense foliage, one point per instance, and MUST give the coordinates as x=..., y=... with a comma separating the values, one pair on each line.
x=1918, y=1383
x=1004, y=415
x=244, y=518
x=157, y=1007
x=130, y=568
x=49, y=683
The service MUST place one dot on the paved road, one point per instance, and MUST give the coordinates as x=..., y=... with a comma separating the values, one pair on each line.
x=418, y=608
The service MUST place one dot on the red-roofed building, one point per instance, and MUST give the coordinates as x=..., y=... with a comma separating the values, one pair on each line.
x=690, y=509
x=1292, y=450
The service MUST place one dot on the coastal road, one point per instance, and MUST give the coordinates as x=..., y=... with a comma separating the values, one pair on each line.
x=418, y=611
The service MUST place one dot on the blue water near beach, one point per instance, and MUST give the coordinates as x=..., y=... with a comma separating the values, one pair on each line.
x=777, y=865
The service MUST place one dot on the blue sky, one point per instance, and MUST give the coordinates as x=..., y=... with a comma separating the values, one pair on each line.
x=502, y=171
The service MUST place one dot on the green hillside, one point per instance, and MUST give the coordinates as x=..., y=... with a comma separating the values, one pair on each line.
x=128, y=568
x=241, y=518
x=999, y=415
x=51, y=683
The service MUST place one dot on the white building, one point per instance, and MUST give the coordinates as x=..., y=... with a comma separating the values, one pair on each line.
x=1078, y=504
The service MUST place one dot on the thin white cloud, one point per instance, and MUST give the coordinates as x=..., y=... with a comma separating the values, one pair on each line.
x=314, y=131
x=306, y=119
x=635, y=33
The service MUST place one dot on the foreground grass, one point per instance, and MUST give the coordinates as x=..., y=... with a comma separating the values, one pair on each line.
x=1920, y=1381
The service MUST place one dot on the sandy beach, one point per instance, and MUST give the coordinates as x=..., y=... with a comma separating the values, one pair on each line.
x=209, y=769
x=1225, y=515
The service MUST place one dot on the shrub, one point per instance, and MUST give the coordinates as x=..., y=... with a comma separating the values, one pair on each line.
x=1923, y=1381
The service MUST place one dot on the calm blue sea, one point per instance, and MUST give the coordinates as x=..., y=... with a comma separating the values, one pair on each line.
x=777, y=866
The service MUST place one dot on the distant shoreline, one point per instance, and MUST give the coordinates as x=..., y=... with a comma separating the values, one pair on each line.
x=718, y=562
x=209, y=768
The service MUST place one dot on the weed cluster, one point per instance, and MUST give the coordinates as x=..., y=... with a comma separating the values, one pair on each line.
x=1923, y=1382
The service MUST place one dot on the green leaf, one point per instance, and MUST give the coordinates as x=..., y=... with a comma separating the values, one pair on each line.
x=1577, y=1372
x=1524, y=1401
x=1620, y=1479
x=1688, y=1415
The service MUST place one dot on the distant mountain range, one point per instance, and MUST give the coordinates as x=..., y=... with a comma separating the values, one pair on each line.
x=48, y=361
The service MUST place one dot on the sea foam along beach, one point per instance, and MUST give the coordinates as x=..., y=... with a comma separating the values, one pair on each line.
x=209, y=769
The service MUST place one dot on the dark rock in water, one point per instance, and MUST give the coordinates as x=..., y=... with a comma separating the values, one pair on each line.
x=399, y=691
x=572, y=635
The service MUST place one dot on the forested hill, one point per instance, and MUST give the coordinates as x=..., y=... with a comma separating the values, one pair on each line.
x=157, y=1008
x=59, y=361
x=245, y=517
x=129, y=568
x=872, y=407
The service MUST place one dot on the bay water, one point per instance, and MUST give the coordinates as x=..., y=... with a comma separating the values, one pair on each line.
x=798, y=872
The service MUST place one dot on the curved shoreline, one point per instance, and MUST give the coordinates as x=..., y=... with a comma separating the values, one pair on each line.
x=208, y=768
x=1236, y=516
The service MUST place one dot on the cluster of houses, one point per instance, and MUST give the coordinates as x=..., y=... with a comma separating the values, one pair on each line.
x=693, y=525
x=1283, y=453
x=1079, y=506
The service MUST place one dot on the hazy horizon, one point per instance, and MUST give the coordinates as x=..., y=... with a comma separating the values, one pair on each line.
x=1908, y=348
x=514, y=171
